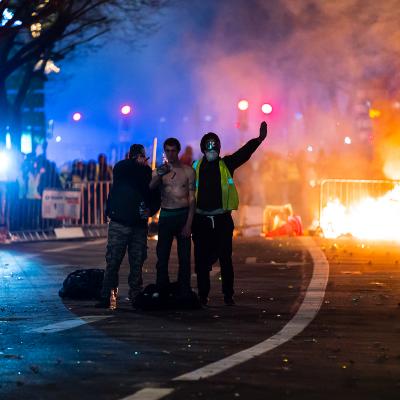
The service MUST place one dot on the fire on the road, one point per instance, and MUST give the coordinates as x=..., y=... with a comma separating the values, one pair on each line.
x=368, y=219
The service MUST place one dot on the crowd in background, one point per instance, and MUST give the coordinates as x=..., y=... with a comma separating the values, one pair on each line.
x=21, y=195
x=294, y=178
x=269, y=179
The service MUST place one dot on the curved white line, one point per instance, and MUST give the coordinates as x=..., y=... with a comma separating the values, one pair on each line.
x=305, y=314
x=150, y=394
x=69, y=324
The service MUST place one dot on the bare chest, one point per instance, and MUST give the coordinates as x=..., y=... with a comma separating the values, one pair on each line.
x=176, y=180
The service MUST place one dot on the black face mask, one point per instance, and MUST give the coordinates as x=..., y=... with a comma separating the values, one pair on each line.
x=211, y=155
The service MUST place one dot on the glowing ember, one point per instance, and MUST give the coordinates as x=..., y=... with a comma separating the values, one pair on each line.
x=371, y=218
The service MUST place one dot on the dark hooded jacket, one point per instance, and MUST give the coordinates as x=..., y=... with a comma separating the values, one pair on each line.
x=129, y=189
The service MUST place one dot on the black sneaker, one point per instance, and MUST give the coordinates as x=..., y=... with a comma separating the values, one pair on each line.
x=103, y=303
x=134, y=304
x=203, y=301
x=229, y=300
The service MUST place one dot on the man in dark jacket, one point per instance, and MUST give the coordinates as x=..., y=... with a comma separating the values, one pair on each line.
x=128, y=207
x=216, y=197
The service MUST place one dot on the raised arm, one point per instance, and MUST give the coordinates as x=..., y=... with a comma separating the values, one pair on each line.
x=158, y=174
x=242, y=155
x=155, y=180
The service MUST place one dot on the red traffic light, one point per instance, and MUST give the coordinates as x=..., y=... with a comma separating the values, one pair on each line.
x=243, y=105
x=126, y=109
x=77, y=116
x=266, y=108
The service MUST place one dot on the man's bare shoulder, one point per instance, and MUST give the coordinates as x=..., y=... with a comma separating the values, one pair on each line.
x=189, y=171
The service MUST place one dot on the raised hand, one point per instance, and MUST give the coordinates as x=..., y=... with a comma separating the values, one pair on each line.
x=163, y=169
x=263, y=130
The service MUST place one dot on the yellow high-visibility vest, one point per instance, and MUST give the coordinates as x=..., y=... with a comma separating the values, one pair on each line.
x=230, y=197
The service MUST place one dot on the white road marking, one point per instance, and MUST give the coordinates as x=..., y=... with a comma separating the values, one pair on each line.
x=305, y=314
x=149, y=394
x=250, y=260
x=76, y=246
x=69, y=324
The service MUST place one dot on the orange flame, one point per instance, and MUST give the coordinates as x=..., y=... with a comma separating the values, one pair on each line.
x=369, y=219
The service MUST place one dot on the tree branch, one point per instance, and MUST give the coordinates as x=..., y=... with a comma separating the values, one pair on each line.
x=60, y=54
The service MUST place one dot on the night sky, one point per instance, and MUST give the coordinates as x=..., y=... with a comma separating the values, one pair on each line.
x=311, y=60
x=154, y=77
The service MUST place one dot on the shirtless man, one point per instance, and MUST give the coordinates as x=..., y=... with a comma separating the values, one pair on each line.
x=177, y=210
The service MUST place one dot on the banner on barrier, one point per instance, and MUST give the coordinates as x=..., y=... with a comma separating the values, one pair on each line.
x=61, y=204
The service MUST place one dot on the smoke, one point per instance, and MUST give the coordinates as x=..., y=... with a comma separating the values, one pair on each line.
x=316, y=62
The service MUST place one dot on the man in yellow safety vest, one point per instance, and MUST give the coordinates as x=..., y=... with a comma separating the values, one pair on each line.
x=216, y=197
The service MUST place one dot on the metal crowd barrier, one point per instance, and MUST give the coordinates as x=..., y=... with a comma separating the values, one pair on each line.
x=93, y=203
x=352, y=191
x=22, y=217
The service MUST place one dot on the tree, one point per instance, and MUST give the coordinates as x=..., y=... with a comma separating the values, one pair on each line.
x=35, y=34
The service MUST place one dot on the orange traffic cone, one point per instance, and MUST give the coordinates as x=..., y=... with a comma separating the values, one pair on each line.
x=293, y=227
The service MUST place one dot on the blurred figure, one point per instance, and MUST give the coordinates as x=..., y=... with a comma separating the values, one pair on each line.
x=33, y=197
x=35, y=173
x=266, y=178
x=16, y=191
x=77, y=175
x=293, y=184
x=104, y=171
x=104, y=178
x=187, y=156
x=50, y=178
x=89, y=194
x=310, y=184
x=91, y=171
x=65, y=172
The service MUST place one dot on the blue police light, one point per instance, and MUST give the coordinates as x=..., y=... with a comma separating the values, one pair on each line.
x=8, y=141
x=26, y=143
x=4, y=161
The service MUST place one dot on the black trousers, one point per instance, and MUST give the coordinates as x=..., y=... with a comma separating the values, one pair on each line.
x=212, y=238
x=170, y=225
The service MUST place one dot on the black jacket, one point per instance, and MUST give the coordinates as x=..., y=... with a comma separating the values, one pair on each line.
x=130, y=187
x=209, y=196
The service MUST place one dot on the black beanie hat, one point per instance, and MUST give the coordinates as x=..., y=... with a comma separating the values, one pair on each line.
x=210, y=136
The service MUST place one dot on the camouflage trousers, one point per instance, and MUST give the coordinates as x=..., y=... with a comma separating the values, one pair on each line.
x=120, y=239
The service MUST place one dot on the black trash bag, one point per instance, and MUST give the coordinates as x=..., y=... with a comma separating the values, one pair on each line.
x=153, y=299
x=83, y=284
x=150, y=299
